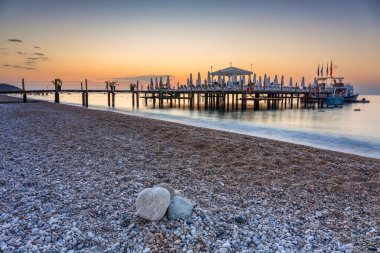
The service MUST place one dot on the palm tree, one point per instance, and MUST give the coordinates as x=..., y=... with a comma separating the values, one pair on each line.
x=57, y=84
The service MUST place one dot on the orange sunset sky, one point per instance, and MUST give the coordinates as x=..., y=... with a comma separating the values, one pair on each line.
x=124, y=40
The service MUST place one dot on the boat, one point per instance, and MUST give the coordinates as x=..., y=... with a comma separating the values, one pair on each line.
x=336, y=86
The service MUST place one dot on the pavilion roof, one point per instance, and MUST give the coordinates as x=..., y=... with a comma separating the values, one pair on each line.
x=232, y=71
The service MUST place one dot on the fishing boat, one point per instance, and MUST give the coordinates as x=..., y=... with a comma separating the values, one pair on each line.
x=335, y=85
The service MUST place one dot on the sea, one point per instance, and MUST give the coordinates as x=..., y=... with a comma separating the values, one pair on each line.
x=353, y=128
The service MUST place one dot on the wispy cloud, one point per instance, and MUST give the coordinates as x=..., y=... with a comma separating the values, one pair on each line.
x=30, y=63
x=36, y=47
x=17, y=66
x=30, y=68
x=6, y=65
x=4, y=48
x=39, y=54
x=22, y=53
x=14, y=40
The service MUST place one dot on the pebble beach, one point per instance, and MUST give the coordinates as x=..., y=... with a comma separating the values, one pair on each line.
x=69, y=178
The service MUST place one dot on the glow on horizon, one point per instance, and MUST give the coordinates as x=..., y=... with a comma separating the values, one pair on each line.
x=98, y=40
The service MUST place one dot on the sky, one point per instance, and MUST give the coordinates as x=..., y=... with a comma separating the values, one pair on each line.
x=132, y=40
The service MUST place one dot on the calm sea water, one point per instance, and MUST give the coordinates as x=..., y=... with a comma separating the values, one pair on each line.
x=340, y=129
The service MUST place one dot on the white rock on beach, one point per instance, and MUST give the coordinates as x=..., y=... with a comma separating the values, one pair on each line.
x=152, y=203
x=179, y=207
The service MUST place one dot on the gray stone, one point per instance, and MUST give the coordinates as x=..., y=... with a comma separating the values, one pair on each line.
x=167, y=187
x=179, y=208
x=152, y=203
x=224, y=250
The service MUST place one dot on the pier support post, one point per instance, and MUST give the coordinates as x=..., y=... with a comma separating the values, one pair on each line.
x=83, y=99
x=56, y=97
x=291, y=101
x=228, y=101
x=137, y=99
x=257, y=102
x=198, y=100
x=206, y=100
x=24, y=94
x=233, y=101
x=113, y=98
x=108, y=98
x=133, y=99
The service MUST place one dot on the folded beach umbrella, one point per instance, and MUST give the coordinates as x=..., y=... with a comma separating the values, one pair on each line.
x=265, y=80
x=291, y=82
x=205, y=82
x=254, y=78
x=303, y=82
x=260, y=82
x=275, y=81
x=156, y=83
x=235, y=78
x=199, y=80
x=249, y=79
x=191, y=79
x=282, y=80
x=188, y=82
x=151, y=83
x=208, y=77
x=160, y=82
x=219, y=77
x=268, y=82
x=168, y=82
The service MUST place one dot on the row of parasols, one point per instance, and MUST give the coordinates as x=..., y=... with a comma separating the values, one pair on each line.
x=232, y=82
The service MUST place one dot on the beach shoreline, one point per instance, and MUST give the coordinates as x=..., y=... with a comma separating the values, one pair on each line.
x=64, y=164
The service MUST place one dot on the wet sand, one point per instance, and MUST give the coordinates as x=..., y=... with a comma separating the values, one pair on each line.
x=81, y=168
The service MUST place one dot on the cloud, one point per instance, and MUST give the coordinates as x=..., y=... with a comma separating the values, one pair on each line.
x=29, y=68
x=14, y=40
x=36, y=47
x=33, y=58
x=17, y=66
x=22, y=53
x=4, y=48
x=30, y=63
x=44, y=58
x=6, y=65
x=39, y=54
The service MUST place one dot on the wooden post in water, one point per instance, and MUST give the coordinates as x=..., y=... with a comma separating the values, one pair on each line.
x=298, y=100
x=133, y=99
x=228, y=101
x=86, y=100
x=206, y=100
x=198, y=99
x=257, y=101
x=137, y=95
x=237, y=101
x=23, y=89
x=113, y=95
x=291, y=101
x=108, y=94
x=56, y=94
x=233, y=101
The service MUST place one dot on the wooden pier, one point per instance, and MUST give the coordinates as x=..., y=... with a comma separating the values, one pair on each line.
x=195, y=99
